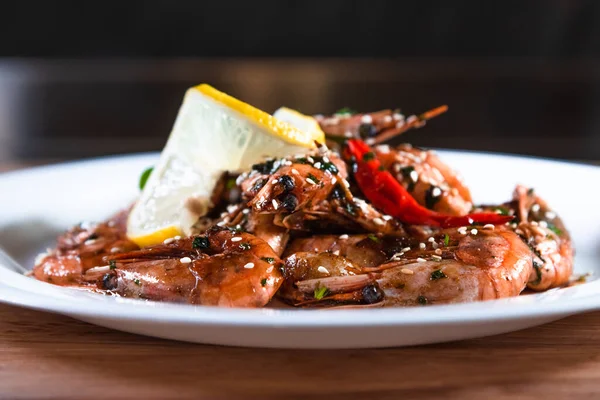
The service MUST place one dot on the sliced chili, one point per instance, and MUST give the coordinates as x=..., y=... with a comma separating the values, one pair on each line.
x=388, y=195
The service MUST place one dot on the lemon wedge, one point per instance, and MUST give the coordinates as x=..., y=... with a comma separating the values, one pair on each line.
x=213, y=133
x=305, y=123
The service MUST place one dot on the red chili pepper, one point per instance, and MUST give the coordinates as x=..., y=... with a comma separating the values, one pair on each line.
x=387, y=194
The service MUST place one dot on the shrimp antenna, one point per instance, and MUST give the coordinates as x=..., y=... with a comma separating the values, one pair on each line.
x=414, y=121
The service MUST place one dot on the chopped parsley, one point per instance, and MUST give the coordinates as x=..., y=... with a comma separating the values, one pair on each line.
x=230, y=183
x=245, y=246
x=137, y=282
x=263, y=281
x=530, y=192
x=538, y=272
x=270, y=260
x=373, y=237
x=320, y=292
x=369, y=156
x=422, y=300
x=313, y=178
x=112, y=264
x=437, y=274
x=345, y=111
x=446, y=240
x=554, y=229
x=201, y=242
x=144, y=177
x=502, y=210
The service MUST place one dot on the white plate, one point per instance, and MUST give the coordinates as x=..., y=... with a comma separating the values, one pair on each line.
x=37, y=204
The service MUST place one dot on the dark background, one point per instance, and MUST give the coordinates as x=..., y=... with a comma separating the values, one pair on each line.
x=80, y=79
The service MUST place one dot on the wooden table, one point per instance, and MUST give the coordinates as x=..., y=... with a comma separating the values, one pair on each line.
x=50, y=356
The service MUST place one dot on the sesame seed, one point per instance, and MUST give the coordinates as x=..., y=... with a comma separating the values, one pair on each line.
x=387, y=217
x=436, y=258
x=90, y=241
x=366, y=119
x=378, y=221
x=344, y=237
x=370, y=141
x=534, y=223
x=387, y=119
x=185, y=260
x=222, y=223
x=422, y=246
x=326, y=159
x=336, y=252
x=274, y=181
x=177, y=237
x=543, y=224
x=246, y=211
x=269, y=270
x=473, y=231
x=412, y=118
x=397, y=256
x=397, y=116
x=535, y=208
x=333, y=180
x=407, y=271
x=438, y=252
x=310, y=159
x=346, y=183
x=462, y=230
x=295, y=171
x=322, y=270
x=550, y=214
x=236, y=239
x=488, y=226
x=431, y=239
x=421, y=259
x=310, y=181
x=348, y=134
x=168, y=241
x=287, y=163
x=115, y=250
x=434, y=245
x=384, y=148
x=400, y=124
x=275, y=205
x=249, y=265
x=318, y=164
x=436, y=192
x=404, y=250
x=414, y=175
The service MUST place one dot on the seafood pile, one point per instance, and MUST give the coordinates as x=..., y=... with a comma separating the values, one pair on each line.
x=353, y=222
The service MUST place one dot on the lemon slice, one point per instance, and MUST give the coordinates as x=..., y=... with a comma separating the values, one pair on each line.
x=305, y=123
x=213, y=133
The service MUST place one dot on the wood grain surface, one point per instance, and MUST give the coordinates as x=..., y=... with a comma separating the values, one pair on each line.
x=50, y=356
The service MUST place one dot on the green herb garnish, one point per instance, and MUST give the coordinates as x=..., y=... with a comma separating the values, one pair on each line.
x=437, y=274
x=245, y=246
x=422, y=300
x=554, y=229
x=345, y=111
x=137, y=282
x=112, y=264
x=369, y=156
x=230, y=183
x=530, y=192
x=446, y=240
x=373, y=237
x=263, y=281
x=320, y=292
x=329, y=166
x=502, y=210
x=270, y=260
x=144, y=177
